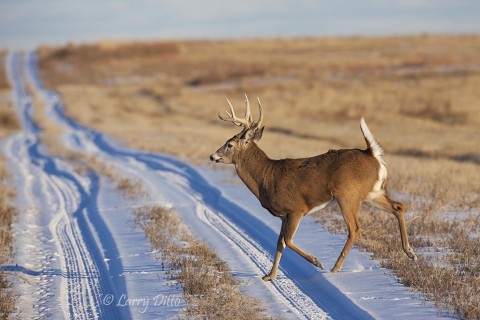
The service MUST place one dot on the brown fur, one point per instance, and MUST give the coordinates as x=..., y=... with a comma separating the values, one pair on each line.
x=316, y=180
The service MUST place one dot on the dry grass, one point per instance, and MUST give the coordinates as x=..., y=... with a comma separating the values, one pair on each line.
x=8, y=121
x=7, y=214
x=127, y=187
x=3, y=74
x=419, y=95
x=52, y=132
x=8, y=125
x=209, y=289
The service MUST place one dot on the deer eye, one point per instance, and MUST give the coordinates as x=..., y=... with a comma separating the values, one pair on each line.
x=229, y=145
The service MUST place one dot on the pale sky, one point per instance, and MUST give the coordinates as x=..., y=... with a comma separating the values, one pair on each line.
x=25, y=24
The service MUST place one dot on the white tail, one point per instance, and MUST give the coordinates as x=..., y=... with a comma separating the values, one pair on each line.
x=377, y=150
x=377, y=153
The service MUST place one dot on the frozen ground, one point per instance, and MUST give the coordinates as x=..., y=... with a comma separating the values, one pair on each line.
x=75, y=245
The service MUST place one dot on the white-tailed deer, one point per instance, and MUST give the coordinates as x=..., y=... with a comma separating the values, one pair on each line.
x=292, y=188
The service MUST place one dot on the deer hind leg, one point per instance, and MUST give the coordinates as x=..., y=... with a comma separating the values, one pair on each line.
x=350, y=211
x=383, y=202
x=280, y=246
x=292, y=222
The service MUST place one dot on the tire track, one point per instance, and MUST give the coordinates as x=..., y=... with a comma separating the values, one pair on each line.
x=67, y=206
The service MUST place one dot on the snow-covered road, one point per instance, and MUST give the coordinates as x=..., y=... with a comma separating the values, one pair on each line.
x=75, y=244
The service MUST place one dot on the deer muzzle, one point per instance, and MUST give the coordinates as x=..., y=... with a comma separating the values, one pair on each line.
x=215, y=158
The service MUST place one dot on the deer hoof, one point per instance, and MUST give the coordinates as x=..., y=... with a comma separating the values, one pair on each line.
x=268, y=277
x=411, y=254
x=317, y=263
x=335, y=269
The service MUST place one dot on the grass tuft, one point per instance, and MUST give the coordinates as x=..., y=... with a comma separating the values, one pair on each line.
x=209, y=289
x=7, y=214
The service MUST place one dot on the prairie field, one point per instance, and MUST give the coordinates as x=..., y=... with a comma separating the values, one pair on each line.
x=419, y=95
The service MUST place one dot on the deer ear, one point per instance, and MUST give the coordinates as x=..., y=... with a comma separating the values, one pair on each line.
x=257, y=135
x=254, y=134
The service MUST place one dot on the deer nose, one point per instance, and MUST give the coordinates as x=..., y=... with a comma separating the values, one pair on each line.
x=214, y=158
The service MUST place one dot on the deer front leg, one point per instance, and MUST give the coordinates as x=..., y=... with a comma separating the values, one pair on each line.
x=280, y=246
x=290, y=229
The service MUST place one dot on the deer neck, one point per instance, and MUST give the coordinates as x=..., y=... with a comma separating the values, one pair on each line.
x=252, y=166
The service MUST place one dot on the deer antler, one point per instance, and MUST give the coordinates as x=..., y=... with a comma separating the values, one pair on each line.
x=259, y=123
x=246, y=121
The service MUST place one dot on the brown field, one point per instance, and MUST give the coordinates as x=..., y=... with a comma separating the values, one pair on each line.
x=419, y=95
x=8, y=125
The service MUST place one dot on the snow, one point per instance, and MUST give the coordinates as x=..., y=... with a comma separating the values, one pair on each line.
x=76, y=244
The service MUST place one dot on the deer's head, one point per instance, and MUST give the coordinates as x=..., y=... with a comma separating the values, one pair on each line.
x=251, y=131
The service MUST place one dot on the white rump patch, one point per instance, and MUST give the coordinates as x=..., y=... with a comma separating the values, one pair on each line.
x=382, y=175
